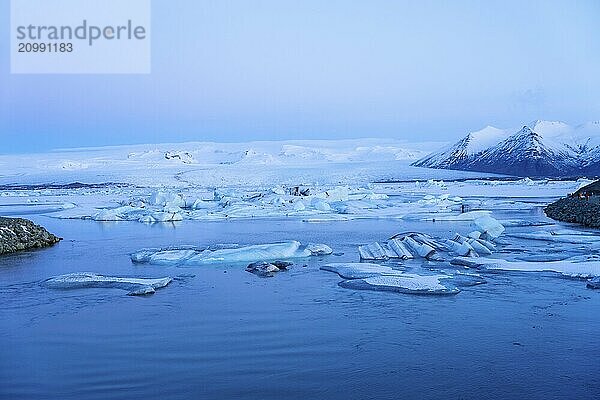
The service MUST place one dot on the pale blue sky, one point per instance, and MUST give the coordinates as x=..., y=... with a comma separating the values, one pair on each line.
x=246, y=70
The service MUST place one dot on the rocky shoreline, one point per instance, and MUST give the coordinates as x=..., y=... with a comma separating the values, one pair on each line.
x=18, y=234
x=576, y=210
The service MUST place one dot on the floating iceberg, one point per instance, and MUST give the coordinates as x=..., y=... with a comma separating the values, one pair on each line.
x=359, y=270
x=393, y=248
x=460, y=247
x=574, y=267
x=369, y=276
x=414, y=244
x=319, y=249
x=405, y=283
x=135, y=286
x=469, y=247
x=422, y=249
x=320, y=204
x=489, y=227
x=236, y=255
x=162, y=198
x=259, y=252
x=169, y=257
x=402, y=246
x=115, y=214
x=255, y=202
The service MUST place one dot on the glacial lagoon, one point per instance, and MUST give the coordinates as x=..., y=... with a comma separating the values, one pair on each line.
x=217, y=331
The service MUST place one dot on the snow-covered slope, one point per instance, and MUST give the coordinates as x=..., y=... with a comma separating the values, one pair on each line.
x=541, y=148
x=212, y=164
x=461, y=152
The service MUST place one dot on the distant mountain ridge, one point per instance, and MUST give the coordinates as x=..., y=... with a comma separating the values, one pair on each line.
x=538, y=149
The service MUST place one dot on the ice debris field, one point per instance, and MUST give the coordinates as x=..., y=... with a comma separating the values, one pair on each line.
x=311, y=182
x=410, y=263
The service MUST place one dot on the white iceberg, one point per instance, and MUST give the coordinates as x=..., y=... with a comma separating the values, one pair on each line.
x=481, y=247
x=161, y=198
x=319, y=249
x=422, y=249
x=169, y=257
x=200, y=204
x=393, y=248
x=106, y=215
x=461, y=248
x=135, y=286
x=320, y=204
x=299, y=206
x=467, y=246
x=489, y=227
x=259, y=252
x=340, y=193
x=235, y=255
x=405, y=283
x=116, y=214
x=374, y=251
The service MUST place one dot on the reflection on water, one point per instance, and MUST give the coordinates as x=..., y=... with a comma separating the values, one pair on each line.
x=220, y=332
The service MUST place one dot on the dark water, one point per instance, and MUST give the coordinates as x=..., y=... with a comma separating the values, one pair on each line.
x=227, y=334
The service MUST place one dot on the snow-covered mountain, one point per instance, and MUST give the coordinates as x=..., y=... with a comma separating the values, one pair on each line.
x=541, y=148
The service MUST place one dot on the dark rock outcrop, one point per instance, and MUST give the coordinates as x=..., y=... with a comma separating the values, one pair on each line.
x=18, y=234
x=593, y=189
x=267, y=269
x=577, y=210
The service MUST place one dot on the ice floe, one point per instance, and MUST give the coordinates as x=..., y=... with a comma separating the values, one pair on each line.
x=404, y=283
x=319, y=249
x=313, y=203
x=575, y=267
x=230, y=255
x=420, y=245
x=560, y=236
x=368, y=276
x=393, y=248
x=135, y=286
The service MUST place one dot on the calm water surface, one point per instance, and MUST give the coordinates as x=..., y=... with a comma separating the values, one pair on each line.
x=220, y=332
